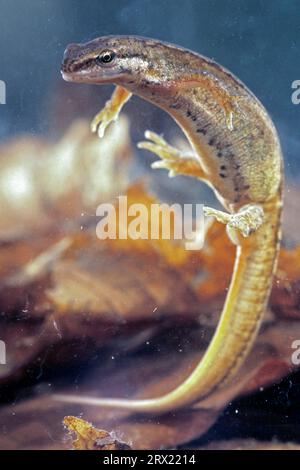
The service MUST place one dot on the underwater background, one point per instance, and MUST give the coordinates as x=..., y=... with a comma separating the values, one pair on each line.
x=257, y=40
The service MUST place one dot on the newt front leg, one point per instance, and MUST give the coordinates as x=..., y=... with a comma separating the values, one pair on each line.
x=172, y=159
x=111, y=110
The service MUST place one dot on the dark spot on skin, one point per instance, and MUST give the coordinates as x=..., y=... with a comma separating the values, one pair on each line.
x=236, y=189
x=175, y=106
x=219, y=154
x=222, y=175
x=131, y=81
x=222, y=167
x=201, y=131
x=236, y=199
x=219, y=146
x=190, y=114
x=211, y=141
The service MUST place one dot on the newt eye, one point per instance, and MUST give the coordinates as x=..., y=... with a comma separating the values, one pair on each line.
x=106, y=57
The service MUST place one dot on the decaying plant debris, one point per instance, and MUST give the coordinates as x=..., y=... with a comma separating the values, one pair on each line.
x=131, y=317
x=90, y=438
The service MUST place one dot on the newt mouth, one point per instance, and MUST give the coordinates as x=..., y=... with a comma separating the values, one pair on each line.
x=67, y=76
x=75, y=77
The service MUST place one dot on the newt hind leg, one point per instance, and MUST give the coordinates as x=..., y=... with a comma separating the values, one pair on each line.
x=244, y=222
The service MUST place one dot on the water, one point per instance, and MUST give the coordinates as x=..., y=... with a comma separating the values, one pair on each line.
x=259, y=42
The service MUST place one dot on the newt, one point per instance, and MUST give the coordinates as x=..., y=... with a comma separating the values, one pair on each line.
x=235, y=150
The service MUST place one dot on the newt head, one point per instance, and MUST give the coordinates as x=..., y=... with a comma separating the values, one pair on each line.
x=109, y=59
x=131, y=61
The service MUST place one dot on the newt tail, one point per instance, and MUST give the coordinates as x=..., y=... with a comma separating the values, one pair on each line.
x=236, y=151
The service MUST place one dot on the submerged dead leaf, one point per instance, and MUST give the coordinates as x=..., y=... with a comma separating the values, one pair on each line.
x=90, y=438
x=285, y=298
x=152, y=371
x=135, y=317
x=46, y=186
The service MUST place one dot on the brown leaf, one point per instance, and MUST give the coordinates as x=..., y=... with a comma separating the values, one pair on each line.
x=145, y=309
x=44, y=185
x=154, y=370
x=78, y=287
x=90, y=438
